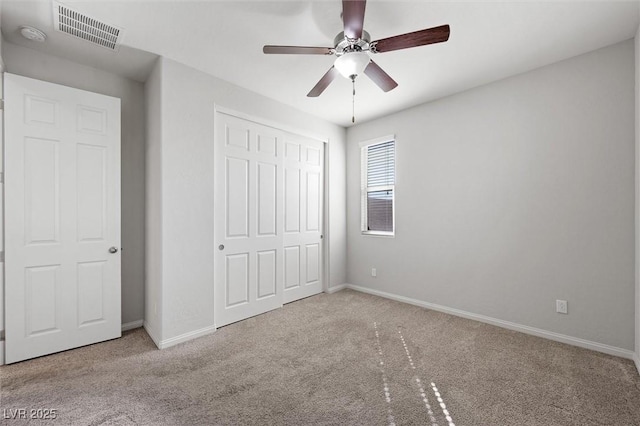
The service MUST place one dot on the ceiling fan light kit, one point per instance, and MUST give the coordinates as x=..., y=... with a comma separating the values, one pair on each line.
x=352, y=64
x=351, y=47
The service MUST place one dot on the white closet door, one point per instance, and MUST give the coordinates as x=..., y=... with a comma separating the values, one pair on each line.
x=303, y=217
x=248, y=219
x=62, y=206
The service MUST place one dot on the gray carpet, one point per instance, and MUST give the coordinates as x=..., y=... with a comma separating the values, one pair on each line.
x=320, y=361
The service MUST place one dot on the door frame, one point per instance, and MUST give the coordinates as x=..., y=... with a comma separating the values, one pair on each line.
x=288, y=129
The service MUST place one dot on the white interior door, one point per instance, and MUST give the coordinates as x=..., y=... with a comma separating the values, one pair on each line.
x=248, y=220
x=303, y=217
x=62, y=217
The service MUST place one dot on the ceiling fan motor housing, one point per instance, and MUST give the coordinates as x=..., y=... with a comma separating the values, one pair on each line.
x=344, y=45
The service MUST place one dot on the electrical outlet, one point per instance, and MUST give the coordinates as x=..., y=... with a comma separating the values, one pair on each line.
x=374, y=273
x=562, y=306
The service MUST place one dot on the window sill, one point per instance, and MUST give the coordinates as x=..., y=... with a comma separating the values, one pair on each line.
x=378, y=234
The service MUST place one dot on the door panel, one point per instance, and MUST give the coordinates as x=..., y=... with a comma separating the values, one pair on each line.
x=292, y=267
x=92, y=120
x=236, y=135
x=313, y=202
x=292, y=200
x=62, y=192
x=248, y=187
x=92, y=192
x=42, y=189
x=267, y=199
x=266, y=273
x=313, y=263
x=304, y=196
x=313, y=156
x=237, y=279
x=237, y=201
x=292, y=151
x=39, y=111
x=41, y=287
x=268, y=144
x=91, y=289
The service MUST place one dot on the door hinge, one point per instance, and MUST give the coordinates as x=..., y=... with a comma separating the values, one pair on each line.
x=1, y=177
x=1, y=257
x=2, y=104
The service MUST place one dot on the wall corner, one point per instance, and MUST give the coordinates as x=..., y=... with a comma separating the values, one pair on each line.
x=637, y=197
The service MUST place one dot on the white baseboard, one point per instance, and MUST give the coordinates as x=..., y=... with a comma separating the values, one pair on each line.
x=575, y=341
x=335, y=288
x=636, y=359
x=131, y=325
x=166, y=343
x=151, y=335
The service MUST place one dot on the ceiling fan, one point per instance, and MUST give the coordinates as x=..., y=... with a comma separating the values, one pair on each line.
x=351, y=47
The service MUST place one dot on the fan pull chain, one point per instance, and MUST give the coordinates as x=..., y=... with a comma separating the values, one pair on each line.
x=353, y=100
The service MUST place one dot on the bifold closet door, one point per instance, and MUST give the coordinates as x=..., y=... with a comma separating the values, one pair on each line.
x=269, y=192
x=248, y=219
x=303, y=217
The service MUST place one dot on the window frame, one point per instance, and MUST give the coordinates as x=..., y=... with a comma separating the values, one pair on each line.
x=364, y=189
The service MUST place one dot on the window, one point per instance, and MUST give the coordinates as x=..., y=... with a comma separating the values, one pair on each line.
x=378, y=186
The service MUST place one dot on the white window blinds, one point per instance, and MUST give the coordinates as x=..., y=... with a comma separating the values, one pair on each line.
x=378, y=181
x=381, y=160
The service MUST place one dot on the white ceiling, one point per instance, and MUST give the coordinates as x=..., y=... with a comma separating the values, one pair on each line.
x=489, y=40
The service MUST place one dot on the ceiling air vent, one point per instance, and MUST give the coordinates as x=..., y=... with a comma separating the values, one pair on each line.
x=79, y=25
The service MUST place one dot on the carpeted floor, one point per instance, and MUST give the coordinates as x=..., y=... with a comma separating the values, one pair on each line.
x=346, y=358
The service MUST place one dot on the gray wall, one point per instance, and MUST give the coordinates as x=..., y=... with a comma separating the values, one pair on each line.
x=153, y=196
x=2, y=69
x=637, y=205
x=34, y=64
x=512, y=195
x=181, y=174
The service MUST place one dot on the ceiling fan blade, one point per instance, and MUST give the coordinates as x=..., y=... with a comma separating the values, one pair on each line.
x=353, y=17
x=324, y=82
x=414, y=39
x=379, y=77
x=297, y=50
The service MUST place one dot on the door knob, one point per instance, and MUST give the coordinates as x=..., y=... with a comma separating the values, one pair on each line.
x=221, y=247
x=113, y=250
